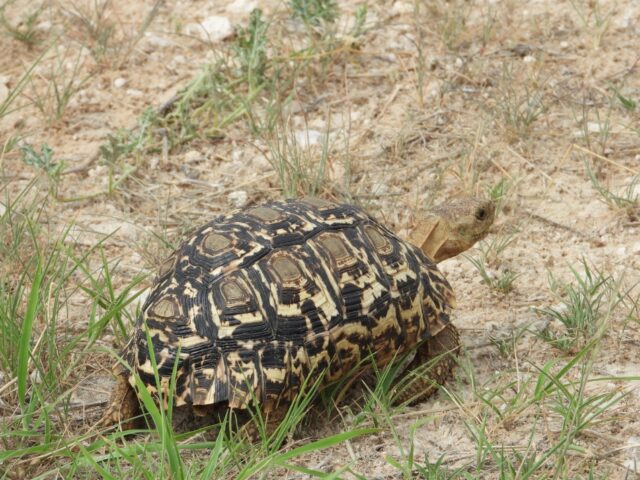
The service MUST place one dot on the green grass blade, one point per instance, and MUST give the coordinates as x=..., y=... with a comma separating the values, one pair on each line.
x=25, y=335
x=98, y=468
x=216, y=452
x=324, y=443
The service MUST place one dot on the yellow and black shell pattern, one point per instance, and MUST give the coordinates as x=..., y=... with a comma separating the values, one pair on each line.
x=257, y=300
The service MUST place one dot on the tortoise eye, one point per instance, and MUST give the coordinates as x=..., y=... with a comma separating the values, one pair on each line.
x=481, y=214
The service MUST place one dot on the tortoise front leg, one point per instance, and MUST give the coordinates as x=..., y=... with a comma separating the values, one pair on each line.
x=432, y=365
x=124, y=407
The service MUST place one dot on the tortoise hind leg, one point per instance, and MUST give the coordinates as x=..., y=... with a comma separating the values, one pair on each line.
x=272, y=418
x=124, y=407
x=430, y=368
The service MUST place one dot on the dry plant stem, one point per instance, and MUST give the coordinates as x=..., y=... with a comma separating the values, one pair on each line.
x=605, y=159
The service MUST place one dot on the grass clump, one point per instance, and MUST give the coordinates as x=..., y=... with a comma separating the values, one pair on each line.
x=519, y=104
x=65, y=77
x=250, y=49
x=580, y=308
x=627, y=199
x=96, y=26
x=314, y=12
x=489, y=253
x=41, y=351
x=25, y=30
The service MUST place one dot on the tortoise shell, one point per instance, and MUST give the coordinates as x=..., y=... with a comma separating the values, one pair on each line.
x=256, y=301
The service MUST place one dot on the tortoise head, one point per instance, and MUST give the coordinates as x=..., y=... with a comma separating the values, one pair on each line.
x=453, y=227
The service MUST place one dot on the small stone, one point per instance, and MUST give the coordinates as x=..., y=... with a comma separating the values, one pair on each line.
x=593, y=127
x=379, y=188
x=492, y=325
x=4, y=92
x=142, y=297
x=400, y=8
x=459, y=62
x=260, y=163
x=306, y=138
x=132, y=92
x=44, y=26
x=35, y=377
x=179, y=59
x=635, y=248
x=120, y=229
x=157, y=41
x=236, y=156
x=189, y=172
x=242, y=6
x=529, y=59
x=238, y=198
x=4, y=87
x=633, y=454
x=213, y=29
x=193, y=156
x=564, y=44
x=119, y=82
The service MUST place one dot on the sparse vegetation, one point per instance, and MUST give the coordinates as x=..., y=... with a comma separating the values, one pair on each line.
x=627, y=199
x=580, y=308
x=519, y=108
x=24, y=30
x=489, y=253
x=63, y=80
x=314, y=12
x=390, y=105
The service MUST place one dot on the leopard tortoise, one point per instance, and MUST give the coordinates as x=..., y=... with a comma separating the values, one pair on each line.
x=257, y=300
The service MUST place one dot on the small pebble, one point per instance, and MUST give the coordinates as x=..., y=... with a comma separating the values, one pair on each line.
x=236, y=156
x=189, y=172
x=193, y=156
x=4, y=92
x=238, y=198
x=306, y=138
x=379, y=188
x=156, y=41
x=35, y=377
x=213, y=29
x=119, y=82
x=400, y=8
x=242, y=6
x=179, y=60
x=44, y=26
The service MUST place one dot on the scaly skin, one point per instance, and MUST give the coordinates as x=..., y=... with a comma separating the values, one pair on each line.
x=447, y=231
x=453, y=227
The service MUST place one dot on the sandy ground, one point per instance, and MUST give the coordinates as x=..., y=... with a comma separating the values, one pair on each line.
x=423, y=127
